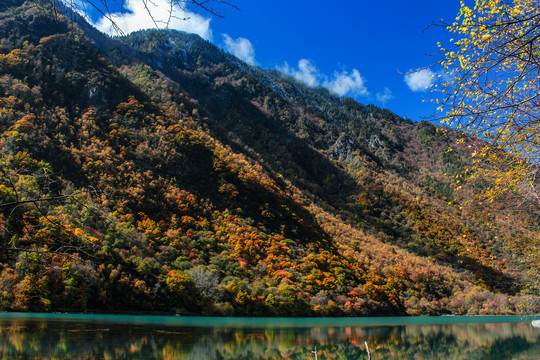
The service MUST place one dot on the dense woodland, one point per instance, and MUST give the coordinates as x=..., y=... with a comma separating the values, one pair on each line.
x=156, y=173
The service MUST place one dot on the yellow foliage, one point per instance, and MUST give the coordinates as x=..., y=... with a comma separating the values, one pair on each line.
x=492, y=88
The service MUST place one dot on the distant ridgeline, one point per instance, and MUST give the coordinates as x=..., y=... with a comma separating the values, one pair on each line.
x=156, y=173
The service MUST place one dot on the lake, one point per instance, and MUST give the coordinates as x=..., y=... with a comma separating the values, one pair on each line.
x=82, y=336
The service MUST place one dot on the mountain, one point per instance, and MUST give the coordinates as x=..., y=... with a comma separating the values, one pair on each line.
x=157, y=173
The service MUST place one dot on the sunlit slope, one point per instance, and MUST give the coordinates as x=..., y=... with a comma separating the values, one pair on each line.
x=184, y=180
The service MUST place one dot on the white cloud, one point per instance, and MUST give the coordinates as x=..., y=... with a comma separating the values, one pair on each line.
x=307, y=72
x=137, y=17
x=384, y=96
x=420, y=80
x=241, y=48
x=344, y=83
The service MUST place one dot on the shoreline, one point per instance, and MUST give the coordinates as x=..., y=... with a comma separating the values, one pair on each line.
x=201, y=321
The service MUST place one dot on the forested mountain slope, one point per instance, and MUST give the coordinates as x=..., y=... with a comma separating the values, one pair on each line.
x=176, y=178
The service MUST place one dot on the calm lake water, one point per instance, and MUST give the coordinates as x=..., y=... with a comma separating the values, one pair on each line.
x=75, y=336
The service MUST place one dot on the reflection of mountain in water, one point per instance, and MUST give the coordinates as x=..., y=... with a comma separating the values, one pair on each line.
x=59, y=339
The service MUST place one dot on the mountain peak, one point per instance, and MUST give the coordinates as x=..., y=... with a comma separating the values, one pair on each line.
x=158, y=173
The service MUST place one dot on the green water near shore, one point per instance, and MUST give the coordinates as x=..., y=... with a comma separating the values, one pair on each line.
x=83, y=336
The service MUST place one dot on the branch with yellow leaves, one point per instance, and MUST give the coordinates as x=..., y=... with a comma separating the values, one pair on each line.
x=491, y=90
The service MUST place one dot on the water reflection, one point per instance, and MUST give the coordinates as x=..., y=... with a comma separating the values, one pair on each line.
x=57, y=339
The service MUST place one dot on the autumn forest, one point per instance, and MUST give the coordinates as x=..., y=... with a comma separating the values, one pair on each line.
x=155, y=173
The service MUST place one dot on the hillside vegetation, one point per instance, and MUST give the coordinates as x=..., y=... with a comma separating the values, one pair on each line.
x=156, y=173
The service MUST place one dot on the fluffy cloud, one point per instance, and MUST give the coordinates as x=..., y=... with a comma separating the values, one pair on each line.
x=137, y=17
x=345, y=83
x=241, y=48
x=307, y=72
x=420, y=80
x=384, y=96
x=342, y=83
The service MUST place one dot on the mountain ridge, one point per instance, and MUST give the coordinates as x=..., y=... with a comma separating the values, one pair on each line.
x=196, y=185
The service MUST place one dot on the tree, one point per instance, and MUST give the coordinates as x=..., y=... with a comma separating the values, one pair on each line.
x=175, y=9
x=492, y=90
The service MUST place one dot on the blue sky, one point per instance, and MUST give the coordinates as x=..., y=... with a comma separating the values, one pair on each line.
x=355, y=48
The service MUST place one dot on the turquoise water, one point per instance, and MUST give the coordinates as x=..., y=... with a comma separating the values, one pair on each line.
x=80, y=336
